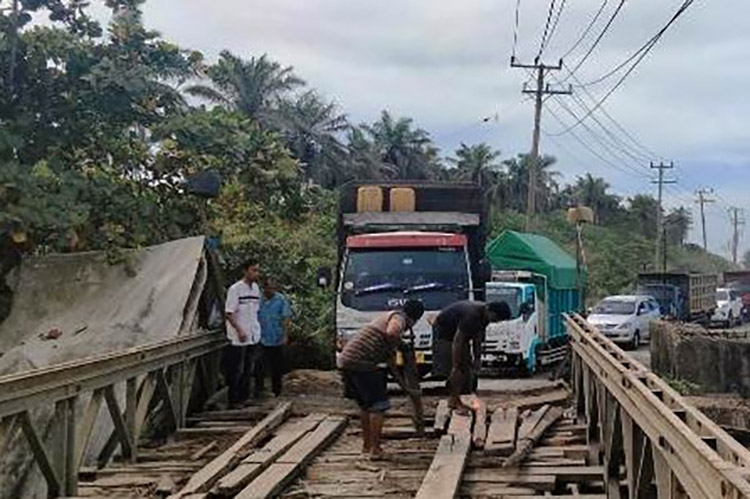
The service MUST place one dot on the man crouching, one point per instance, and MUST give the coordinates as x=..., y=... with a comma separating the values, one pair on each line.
x=363, y=361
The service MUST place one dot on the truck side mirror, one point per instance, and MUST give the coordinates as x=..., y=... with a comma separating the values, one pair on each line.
x=324, y=277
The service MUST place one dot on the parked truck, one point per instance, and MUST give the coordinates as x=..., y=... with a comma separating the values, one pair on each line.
x=681, y=296
x=407, y=240
x=540, y=282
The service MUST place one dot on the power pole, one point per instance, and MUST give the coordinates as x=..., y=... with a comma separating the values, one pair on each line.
x=660, y=231
x=703, y=200
x=737, y=222
x=539, y=92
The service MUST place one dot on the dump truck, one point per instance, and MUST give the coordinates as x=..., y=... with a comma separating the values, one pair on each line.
x=540, y=282
x=682, y=297
x=399, y=241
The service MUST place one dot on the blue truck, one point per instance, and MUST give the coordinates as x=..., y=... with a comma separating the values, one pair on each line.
x=540, y=282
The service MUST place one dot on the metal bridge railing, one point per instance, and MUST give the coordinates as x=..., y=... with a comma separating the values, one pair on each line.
x=157, y=376
x=650, y=441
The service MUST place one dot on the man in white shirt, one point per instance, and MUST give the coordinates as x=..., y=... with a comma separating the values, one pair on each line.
x=243, y=332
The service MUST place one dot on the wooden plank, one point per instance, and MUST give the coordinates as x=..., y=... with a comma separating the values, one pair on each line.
x=480, y=424
x=444, y=476
x=145, y=397
x=40, y=455
x=442, y=413
x=121, y=428
x=254, y=464
x=501, y=436
x=204, y=450
x=529, y=423
x=557, y=397
x=277, y=476
x=70, y=453
x=204, y=479
x=527, y=441
x=460, y=424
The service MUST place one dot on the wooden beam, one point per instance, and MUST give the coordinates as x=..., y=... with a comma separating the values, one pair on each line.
x=501, y=436
x=442, y=414
x=527, y=440
x=443, y=479
x=273, y=480
x=479, y=435
x=220, y=466
x=145, y=397
x=460, y=424
x=121, y=428
x=257, y=462
x=71, y=452
x=40, y=455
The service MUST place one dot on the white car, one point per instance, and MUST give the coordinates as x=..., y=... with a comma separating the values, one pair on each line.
x=728, y=307
x=625, y=318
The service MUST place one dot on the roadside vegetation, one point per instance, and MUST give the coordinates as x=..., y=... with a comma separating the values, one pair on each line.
x=101, y=126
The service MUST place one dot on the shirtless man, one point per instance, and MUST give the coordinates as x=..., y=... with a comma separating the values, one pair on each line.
x=458, y=333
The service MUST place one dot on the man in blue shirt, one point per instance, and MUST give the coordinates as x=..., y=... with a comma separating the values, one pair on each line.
x=275, y=317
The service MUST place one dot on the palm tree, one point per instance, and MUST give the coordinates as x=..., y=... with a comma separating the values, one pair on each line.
x=252, y=87
x=407, y=149
x=475, y=163
x=518, y=181
x=364, y=161
x=678, y=224
x=643, y=209
x=311, y=128
x=592, y=192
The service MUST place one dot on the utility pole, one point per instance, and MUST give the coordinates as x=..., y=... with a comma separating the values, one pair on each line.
x=703, y=200
x=539, y=92
x=737, y=222
x=660, y=231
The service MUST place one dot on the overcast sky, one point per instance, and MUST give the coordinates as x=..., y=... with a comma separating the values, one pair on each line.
x=446, y=64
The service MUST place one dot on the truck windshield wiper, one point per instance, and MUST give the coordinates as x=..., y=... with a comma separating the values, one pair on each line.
x=378, y=288
x=432, y=286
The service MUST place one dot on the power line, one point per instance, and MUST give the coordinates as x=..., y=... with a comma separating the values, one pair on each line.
x=647, y=46
x=588, y=29
x=546, y=29
x=629, y=71
x=554, y=26
x=516, y=27
x=600, y=37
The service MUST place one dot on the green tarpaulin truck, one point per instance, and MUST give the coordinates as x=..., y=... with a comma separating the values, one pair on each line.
x=540, y=282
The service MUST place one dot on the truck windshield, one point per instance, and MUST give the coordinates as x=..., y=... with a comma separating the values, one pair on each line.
x=382, y=279
x=615, y=307
x=511, y=296
x=722, y=295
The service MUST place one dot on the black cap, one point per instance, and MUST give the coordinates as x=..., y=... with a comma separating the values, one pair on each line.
x=500, y=309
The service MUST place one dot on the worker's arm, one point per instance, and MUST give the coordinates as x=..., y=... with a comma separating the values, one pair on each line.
x=457, y=377
x=287, y=326
x=286, y=315
x=476, y=347
x=394, y=330
x=231, y=307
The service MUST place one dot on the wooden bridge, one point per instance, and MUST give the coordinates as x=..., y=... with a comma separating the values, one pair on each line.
x=617, y=430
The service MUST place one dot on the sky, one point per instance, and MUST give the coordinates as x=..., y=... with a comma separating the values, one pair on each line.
x=446, y=65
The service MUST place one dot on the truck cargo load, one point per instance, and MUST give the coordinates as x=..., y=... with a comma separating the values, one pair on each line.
x=682, y=297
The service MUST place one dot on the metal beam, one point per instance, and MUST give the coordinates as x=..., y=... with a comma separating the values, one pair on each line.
x=28, y=390
x=698, y=468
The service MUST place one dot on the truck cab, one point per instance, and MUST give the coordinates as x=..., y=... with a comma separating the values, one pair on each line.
x=397, y=242
x=381, y=271
x=513, y=342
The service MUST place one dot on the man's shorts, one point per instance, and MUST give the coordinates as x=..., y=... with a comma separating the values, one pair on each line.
x=369, y=389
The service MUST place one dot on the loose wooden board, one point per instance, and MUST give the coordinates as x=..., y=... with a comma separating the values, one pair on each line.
x=501, y=436
x=443, y=479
